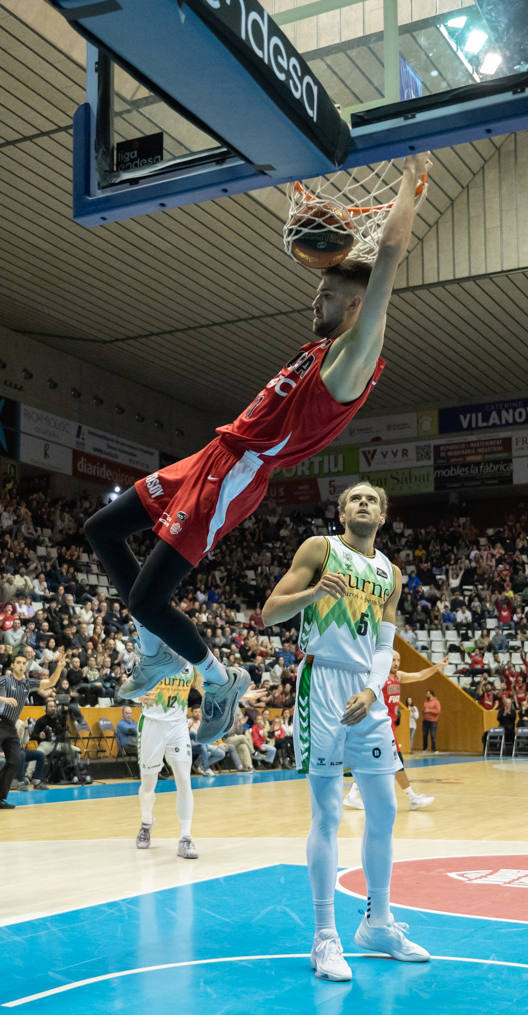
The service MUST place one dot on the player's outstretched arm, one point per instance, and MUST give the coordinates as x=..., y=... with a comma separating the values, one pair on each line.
x=297, y=588
x=350, y=363
x=429, y=671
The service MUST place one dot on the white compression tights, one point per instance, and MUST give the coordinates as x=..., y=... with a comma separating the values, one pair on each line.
x=184, y=797
x=379, y=798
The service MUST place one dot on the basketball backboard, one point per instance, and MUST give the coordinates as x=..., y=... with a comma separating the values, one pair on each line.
x=242, y=97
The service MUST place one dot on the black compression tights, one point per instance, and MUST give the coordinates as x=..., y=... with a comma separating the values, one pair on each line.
x=146, y=590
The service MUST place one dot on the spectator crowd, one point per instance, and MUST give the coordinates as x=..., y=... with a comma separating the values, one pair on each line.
x=465, y=592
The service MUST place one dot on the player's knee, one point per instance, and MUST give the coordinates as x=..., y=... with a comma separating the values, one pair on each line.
x=328, y=815
x=143, y=607
x=91, y=528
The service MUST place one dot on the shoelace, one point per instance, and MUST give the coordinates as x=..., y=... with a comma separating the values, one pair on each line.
x=331, y=946
x=402, y=928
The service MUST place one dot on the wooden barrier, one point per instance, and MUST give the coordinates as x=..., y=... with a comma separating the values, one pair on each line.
x=462, y=720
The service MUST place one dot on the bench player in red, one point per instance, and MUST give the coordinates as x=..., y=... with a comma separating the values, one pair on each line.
x=190, y=505
x=391, y=694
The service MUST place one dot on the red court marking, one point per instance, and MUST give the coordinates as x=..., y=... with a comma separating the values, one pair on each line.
x=492, y=886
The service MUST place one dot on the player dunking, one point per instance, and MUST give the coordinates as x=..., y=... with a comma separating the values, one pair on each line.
x=391, y=695
x=348, y=593
x=190, y=505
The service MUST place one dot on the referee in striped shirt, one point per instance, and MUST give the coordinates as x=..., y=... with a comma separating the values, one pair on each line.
x=14, y=689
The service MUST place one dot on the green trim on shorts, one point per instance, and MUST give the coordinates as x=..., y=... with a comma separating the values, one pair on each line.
x=140, y=727
x=303, y=711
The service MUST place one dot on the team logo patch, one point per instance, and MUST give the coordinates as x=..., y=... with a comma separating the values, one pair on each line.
x=376, y=752
x=181, y=516
x=381, y=572
x=165, y=519
x=490, y=886
x=175, y=528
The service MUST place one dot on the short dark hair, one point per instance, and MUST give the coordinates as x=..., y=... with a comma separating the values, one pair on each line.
x=351, y=270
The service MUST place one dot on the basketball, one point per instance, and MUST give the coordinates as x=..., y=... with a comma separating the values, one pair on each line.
x=322, y=234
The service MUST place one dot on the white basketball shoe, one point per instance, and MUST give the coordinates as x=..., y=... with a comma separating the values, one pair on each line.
x=327, y=957
x=391, y=940
x=353, y=798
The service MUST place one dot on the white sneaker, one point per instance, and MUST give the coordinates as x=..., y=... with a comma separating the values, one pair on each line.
x=143, y=837
x=187, y=848
x=353, y=798
x=419, y=800
x=391, y=940
x=327, y=957
x=149, y=670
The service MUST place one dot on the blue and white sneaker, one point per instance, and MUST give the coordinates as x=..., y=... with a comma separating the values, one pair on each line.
x=327, y=957
x=149, y=670
x=219, y=705
x=390, y=939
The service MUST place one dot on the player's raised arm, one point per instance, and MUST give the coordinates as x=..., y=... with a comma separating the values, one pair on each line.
x=350, y=362
x=298, y=588
x=429, y=671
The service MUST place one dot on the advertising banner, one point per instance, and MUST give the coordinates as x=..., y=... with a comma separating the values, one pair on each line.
x=402, y=482
x=520, y=457
x=46, y=454
x=294, y=492
x=47, y=438
x=103, y=470
x=478, y=462
x=485, y=416
x=376, y=457
x=381, y=428
x=333, y=462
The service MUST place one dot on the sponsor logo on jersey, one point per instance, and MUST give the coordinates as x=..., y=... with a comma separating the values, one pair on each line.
x=175, y=528
x=321, y=761
x=381, y=572
x=182, y=516
x=165, y=519
x=376, y=752
x=154, y=486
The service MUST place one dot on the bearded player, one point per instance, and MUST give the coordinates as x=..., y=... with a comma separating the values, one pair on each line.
x=348, y=593
x=391, y=695
x=190, y=505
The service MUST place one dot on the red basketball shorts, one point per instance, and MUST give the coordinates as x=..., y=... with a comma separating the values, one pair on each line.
x=197, y=501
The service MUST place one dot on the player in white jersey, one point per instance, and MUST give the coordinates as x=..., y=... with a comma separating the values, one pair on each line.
x=348, y=593
x=163, y=733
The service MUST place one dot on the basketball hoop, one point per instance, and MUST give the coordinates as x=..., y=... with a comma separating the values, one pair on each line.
x=343, y=214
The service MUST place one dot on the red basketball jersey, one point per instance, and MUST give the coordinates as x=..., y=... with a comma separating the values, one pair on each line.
x=391, y=694
x=294, y=416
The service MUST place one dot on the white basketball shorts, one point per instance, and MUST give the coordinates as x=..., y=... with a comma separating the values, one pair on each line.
x=322, y=745
x=162, y=738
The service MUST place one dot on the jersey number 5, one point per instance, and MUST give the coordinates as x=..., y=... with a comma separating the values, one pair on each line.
x=362, y=625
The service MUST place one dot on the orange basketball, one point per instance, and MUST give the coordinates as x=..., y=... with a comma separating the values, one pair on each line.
x=323, y=234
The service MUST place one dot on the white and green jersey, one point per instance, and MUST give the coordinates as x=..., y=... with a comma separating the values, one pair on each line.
x=345, y=631
x=172, y=694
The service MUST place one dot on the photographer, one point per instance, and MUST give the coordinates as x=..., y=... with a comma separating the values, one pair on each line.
x=53, y=737
x=14, y=690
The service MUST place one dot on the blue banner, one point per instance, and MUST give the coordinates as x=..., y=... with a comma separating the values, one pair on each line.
x=485, y=416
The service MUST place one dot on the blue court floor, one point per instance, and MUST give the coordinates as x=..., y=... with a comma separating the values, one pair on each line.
x=239, y=945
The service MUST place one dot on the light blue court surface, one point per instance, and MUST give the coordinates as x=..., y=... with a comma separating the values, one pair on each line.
x=120, y=789
x=239, y=945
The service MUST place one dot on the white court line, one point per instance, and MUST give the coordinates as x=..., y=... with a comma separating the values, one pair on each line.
x=235, y=958
x=421, y=909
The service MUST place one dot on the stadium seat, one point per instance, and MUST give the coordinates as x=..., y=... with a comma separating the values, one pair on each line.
x=495, y=742
x=520, y=744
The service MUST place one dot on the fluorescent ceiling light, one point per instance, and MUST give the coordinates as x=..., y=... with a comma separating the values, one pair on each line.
x=490, y=63
x=475, y=41
x=457, y=22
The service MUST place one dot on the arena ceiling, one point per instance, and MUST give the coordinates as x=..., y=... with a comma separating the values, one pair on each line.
x=201, y=303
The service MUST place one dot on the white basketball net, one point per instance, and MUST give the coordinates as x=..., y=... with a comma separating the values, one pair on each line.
x=366, y=193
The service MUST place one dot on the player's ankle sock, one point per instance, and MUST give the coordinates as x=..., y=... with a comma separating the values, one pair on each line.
x=149, y=642
x=324, y=914
x=185, y=828
x=212, y=670
x=410, y=792
x=378, y=908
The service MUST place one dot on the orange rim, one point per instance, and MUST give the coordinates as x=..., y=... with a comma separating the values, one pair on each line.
x=353, y=209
